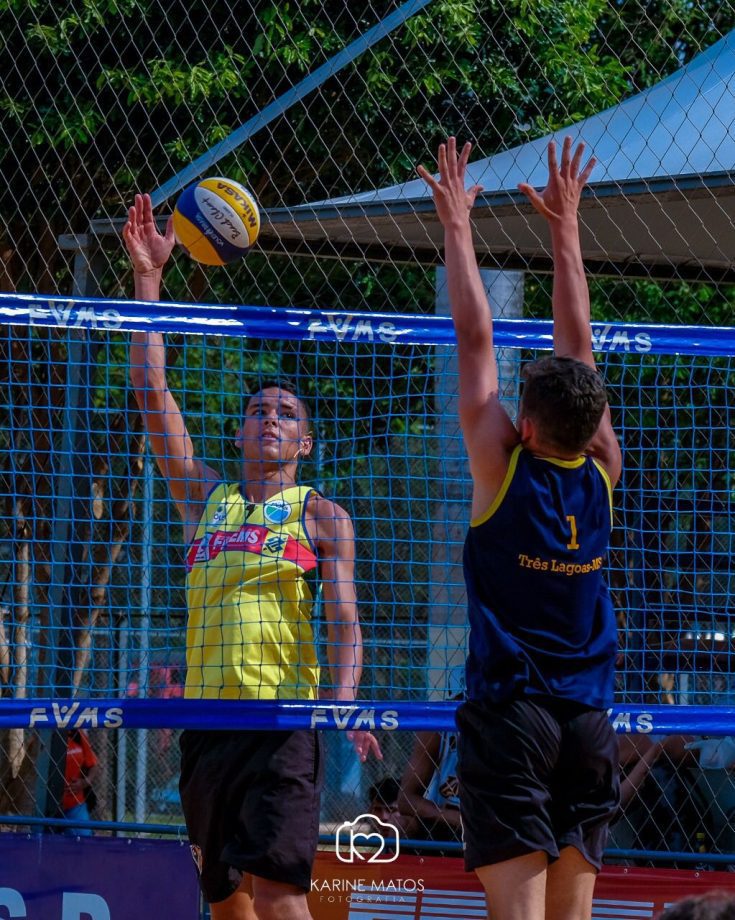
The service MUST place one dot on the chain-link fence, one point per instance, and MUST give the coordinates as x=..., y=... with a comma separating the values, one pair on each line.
x=101, y=100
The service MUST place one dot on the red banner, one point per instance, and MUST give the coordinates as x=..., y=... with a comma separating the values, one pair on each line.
x=432, y=888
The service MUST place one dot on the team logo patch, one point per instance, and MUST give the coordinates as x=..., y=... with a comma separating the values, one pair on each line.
x=219, y=516
x=196, y=855
x=277, y=511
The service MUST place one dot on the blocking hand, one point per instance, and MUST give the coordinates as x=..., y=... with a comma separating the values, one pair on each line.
x=453, y=202
x=563, y=190
x=149, y=250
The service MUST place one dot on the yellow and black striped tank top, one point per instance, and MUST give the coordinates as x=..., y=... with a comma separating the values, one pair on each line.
x=249, y=632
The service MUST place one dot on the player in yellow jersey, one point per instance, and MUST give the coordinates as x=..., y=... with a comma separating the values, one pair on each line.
x=251, y=799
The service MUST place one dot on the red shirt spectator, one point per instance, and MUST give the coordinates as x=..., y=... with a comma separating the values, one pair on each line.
x=80, y=759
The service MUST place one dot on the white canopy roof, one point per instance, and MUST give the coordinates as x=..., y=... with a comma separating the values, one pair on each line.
x=662, y=202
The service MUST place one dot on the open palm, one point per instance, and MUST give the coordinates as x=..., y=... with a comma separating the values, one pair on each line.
x=149, y=250
x=563, y=190
x=453, y=201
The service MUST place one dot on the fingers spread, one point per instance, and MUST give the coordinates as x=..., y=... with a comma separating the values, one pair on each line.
x=536, y=200
x=442, y=160
x=587, y=171
x=553, y=166
x=464, y=158
x=566, y=156
x=428, y=178
x=452, y=157
x=576, y=160
x=147, y=209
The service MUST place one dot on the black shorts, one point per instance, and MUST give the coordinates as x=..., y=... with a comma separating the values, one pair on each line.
x=535, y=776
x=251, y=803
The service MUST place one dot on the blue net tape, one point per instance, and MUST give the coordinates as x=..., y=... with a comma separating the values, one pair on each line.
x=288, y=716
x=283, y=323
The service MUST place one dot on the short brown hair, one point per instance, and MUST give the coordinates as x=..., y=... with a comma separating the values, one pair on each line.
x=714, y=905
x=565, y=398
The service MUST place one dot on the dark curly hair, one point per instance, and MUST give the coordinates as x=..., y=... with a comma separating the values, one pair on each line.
x=565, y=399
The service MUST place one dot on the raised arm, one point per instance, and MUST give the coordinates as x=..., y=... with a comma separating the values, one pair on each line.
x=488, y=431
x=189, y=480
x=335, y=540
x=559, y=204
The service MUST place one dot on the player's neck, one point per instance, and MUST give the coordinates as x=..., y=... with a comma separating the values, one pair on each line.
x=552, y=454
x=547, y=451
x=260, y=482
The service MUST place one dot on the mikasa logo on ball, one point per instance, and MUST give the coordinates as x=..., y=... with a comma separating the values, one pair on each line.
x=249, y=214
x=216, y=221
x=220, y=215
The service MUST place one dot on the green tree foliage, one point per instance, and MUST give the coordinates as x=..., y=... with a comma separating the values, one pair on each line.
x=108, y=97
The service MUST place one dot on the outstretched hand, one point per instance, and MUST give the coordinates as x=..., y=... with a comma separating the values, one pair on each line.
x=149, y=250
x=365, y=744
x=453, y=202
x=560, y=198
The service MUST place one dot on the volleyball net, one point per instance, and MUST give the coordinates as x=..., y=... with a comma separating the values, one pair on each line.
x=94, y=563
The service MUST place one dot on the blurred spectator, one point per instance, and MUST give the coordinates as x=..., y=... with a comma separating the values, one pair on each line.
x=165, y=681
x=715, y=905
x=429, y=790
x=713, y=788
x=81, y=766
x=383, y=803
x=655, y=800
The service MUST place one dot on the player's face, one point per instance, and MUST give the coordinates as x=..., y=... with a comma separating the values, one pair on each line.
x=275, y=427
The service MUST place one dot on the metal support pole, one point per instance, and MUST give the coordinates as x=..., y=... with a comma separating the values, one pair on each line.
x=146, y=581
x=447, y=633
x=71, y=511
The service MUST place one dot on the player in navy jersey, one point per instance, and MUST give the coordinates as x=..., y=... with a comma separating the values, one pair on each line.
x=537, y=755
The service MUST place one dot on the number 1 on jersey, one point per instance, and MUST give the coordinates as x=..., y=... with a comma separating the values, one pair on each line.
x=573, y=526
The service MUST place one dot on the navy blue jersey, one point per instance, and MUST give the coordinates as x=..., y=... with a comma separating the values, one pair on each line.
x=541, y=619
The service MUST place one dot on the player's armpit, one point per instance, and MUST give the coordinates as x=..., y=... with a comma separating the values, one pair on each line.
x=605, y=448
x=489, y=437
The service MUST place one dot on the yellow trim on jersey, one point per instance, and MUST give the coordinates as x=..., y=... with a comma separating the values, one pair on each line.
x=497, y=501
x=604, y=474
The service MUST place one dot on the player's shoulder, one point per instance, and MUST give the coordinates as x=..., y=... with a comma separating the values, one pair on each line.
x=324, y=509
x=327, y=520
x=193, y=509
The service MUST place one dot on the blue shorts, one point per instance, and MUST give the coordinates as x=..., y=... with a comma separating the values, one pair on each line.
x=535, y=775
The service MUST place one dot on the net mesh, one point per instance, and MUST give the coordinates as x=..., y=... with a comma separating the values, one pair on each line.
x=387, y=449
x=103, y=99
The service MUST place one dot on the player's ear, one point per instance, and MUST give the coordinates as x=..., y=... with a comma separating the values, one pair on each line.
x=238, y=438
x=305, y=445
x=525, y=428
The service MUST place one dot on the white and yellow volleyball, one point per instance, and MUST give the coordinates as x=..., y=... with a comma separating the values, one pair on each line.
x=216, y=221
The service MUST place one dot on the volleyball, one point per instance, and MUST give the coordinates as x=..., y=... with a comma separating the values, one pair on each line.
x=216, y=221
